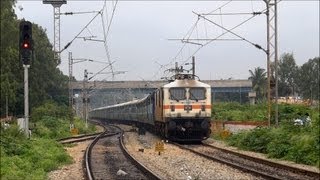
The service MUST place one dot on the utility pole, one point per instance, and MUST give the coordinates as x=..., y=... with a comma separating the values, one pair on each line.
x=70, y=81
x=176, y=69
x=272, y=52
x=7, y=111
x=276, y=59
x=25, y=53
x=70, y=90
x=26, y=99
x=193, y=66
x=56, y=21
x=85, y=97
x=268, y=63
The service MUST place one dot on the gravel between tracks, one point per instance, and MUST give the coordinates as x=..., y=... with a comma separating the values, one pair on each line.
x=175, y=163
x=72, y=171
x=260, y=155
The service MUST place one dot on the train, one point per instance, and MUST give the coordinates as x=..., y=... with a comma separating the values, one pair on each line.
x=177, y=111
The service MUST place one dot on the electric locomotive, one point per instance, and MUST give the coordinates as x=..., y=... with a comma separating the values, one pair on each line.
x=179, y=110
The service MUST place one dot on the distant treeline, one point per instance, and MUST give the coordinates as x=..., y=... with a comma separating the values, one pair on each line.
x=293, y=80
x=46, y=81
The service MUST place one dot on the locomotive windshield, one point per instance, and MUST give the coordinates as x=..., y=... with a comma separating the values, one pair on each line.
x=177, y=93
x=197, y=93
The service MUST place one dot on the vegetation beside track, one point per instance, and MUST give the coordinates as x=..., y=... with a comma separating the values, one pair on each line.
x=234, y=111
x=33, y=158
x=298, y=143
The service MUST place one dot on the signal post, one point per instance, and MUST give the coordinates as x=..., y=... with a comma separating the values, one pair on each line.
x=25, y=50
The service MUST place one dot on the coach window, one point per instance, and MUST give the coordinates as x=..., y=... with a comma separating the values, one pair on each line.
x=197, y=93
x=177, y=93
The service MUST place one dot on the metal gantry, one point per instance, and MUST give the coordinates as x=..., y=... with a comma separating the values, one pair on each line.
x=272, y=53
x=56, y=27
x=70, y=80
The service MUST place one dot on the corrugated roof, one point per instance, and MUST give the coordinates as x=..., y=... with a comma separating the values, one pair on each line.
x=155, y=84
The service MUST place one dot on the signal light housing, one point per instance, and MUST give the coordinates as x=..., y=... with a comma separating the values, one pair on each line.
x=25, y=42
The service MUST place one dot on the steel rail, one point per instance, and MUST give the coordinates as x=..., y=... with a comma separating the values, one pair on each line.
x=87, y=158
x=77, y=137
x=141, y=167
x=82, y=136
x=267, y=162
x=234, y=165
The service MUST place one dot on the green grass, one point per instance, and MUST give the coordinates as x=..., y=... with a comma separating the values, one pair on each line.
x=23, y=158
x=239, y=112
x=244, y=112
x=300, y=144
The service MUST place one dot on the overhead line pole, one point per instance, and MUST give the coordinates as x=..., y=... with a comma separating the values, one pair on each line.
x=268, y=63
x=272, y=53
x=56, y=27
x=70, y=80
x=276, y=61
x=26, y=100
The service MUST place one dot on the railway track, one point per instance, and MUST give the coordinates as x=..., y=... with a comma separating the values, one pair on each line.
x=107, y=158
x=81, y=138
x=257, y=166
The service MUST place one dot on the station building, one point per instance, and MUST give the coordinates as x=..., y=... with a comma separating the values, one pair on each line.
x=103, y=93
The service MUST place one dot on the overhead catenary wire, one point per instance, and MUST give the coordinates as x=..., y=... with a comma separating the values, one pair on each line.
x=223, y=5
x=105, y=43
x=189, y=33
x=101, y=70
x=106, y=32
x=244, y=39
x=70, y=42
x=84, y=12
x=243, y=22
x=113, y=12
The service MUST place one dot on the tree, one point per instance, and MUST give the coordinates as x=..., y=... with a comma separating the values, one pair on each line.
x=46, y=81
x=259, y=81
x=287, y=73
x=9, y=77
x=308, y=79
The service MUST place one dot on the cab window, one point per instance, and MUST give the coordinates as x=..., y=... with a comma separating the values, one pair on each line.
x=177, y=93
x=197, y=93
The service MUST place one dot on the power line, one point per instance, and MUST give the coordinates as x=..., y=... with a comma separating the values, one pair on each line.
x=84, y=12
x=113, y=11
x=243, y=22
x=189, y=33
x=226, y=14
x=221, y=6
x=256, y=45
x=105, y=33
x=69, y=43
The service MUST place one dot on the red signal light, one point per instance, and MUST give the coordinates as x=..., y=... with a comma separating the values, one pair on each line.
x=25, y=45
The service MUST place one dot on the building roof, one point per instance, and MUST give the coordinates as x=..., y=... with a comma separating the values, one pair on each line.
x=155, y=84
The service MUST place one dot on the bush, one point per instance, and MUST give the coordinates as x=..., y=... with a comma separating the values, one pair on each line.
x=238, y=112
x=258, y=112
x=50, y=109
x=22, y=158
x=300, y=144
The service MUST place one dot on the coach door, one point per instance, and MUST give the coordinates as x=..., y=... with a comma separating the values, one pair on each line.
x=159, y=104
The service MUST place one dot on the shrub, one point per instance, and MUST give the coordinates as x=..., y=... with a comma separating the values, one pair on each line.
x=22, y=158
x=300, y=144
x=50, y=109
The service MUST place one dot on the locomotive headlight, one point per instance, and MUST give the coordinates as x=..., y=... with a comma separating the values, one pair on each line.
x=172, y=107
x=203, y=107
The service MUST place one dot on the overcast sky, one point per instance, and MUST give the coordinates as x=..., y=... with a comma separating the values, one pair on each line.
x=138, y=38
